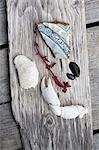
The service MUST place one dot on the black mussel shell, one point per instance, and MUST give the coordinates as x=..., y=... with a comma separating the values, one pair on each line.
x=70, y=76
x=74, y=69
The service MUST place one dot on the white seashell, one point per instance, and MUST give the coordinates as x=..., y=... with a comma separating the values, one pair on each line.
x=73, y=111
x=27, y=72
x=66, y=112
x=48, y=92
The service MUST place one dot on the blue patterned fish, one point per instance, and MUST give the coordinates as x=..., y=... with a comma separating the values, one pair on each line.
x=56, y=35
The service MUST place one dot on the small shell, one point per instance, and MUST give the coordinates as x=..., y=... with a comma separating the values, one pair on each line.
x=48, y=93
x=27, y=71
x=70, y=76
x=57, y=37
x=75, y=69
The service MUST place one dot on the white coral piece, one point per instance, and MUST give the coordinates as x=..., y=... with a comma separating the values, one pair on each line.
x=27, y=71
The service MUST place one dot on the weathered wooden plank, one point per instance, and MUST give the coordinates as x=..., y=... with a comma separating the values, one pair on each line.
x=9, y=134
x=93, y=53
x=41, y=128
x=3, y=23
x=4, y=79
x=92, y=11
x=96, y=141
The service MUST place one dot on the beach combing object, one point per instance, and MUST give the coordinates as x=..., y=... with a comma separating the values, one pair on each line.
x=50, y=96
x=63, y=85
x=57, y=36
x=27, y=72
x=75, y=71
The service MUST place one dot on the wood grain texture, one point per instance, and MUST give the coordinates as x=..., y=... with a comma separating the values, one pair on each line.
x=3, y=24
x=4, y=79
x=39, y=127
x=96, y=141
x=92, y=11
x=9, y=134
x=93, y=53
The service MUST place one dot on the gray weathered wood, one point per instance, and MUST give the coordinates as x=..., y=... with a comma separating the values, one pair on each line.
x=93, y=53
x=3, y=24
x=9, y=134
x=96, y=142
x=92, y=11
x=42, y=129
x=4, y=79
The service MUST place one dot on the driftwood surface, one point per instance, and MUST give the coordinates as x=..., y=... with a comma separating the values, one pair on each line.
x=9, y=134
x=40, y=128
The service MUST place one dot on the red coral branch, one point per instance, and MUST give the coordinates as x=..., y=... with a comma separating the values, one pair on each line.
x=63, y=85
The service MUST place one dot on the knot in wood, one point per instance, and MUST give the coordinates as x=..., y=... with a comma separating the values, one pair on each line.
x=49, y=121
x=76, y=3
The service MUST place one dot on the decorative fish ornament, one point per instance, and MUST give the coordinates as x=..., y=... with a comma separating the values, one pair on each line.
x=57, y=36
